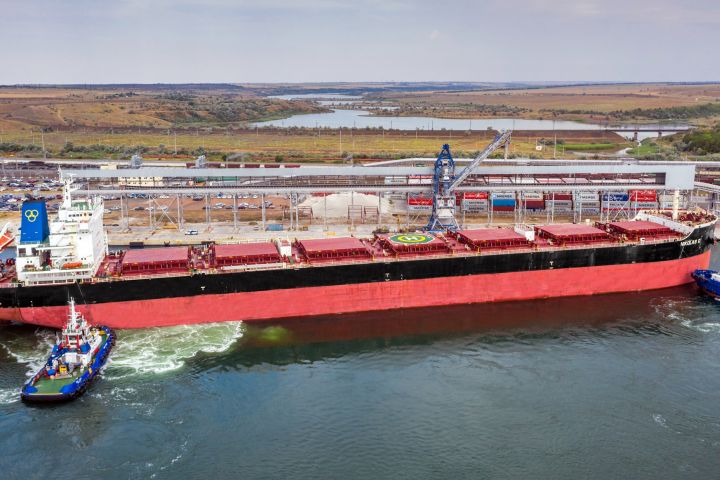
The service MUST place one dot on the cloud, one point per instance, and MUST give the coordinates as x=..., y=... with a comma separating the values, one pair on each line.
x=434, y=35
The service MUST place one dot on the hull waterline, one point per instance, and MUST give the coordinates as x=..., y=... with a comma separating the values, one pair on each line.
x=362, y=297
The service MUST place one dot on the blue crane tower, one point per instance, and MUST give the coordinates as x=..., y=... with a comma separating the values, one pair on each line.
x=445, y=182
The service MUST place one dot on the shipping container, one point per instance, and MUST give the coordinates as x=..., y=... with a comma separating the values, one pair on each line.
x=420, y=208
x=643, y=195
x=475, y=195
x=558, y=196
x=558, y=204
x=616, y=206
x=615, y=197
x=474, y=206
x=475, y=202
x=503, y=196
x=503, y=208
x=532, y=196
x=419, y=200
x=460, y=196
x=534, y=205
x=586, y=197
x=586, y=206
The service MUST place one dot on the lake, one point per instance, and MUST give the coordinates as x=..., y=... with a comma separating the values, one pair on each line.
x=363, y=119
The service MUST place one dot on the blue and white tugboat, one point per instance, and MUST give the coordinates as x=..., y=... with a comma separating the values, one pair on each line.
x=76, y=359
x=708, y=281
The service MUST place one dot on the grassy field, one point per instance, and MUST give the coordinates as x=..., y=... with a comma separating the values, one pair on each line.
x=597, y=102
x=646, y=148
x=116, y=121
x=138, y=107
x=284, y=145
x=581, y=147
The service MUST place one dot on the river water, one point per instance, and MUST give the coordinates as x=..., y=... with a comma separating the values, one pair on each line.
x=363, y=119
x=615, y=386
x=354, y=118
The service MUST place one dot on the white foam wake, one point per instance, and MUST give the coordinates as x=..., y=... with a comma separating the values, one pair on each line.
x=9, y=395
x=163, y=349
x=691, y=314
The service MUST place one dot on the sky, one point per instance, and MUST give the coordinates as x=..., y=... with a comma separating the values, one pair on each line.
x=244, y=41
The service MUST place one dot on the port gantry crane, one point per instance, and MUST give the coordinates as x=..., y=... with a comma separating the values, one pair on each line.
x=445, y=182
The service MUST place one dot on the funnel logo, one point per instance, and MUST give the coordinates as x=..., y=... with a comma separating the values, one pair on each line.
x=31, y=215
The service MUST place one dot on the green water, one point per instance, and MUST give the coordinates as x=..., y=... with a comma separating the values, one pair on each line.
x=616, y=386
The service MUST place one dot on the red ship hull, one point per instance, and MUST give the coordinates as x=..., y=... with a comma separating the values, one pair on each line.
x=360, y=297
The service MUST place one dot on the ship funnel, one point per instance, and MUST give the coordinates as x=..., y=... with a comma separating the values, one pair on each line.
x=34, y=222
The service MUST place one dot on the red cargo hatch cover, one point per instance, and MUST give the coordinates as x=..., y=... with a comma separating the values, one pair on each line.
x=571, y=233
x=246, y=250
x=640, y=226
x=156, y=255
x=333, y=248
x=491, y=237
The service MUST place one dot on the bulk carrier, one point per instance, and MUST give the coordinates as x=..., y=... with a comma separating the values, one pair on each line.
x=68, y=257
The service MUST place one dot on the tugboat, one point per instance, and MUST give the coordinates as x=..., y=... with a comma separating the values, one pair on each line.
x=76, y=359
x=708, y=281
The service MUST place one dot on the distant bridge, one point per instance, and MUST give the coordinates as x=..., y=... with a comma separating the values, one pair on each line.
x=649, y=129
x=660, y=129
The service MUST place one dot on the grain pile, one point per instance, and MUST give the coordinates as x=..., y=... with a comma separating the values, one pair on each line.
x=337, y=204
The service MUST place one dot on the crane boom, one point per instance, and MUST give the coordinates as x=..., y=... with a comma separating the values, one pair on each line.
x=500, y=140
x=445, y=182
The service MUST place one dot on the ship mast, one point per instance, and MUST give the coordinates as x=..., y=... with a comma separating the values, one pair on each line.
x=68, y=189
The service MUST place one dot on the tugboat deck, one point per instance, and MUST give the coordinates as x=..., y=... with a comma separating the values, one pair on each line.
x=50, y=386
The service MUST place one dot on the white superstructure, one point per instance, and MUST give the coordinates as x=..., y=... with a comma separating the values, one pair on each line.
x=75, y=247
x=75, y=335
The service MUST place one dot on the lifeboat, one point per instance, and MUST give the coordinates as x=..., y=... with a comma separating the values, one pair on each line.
x=71, y=265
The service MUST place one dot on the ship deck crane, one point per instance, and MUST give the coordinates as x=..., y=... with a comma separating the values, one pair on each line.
x=445, y=182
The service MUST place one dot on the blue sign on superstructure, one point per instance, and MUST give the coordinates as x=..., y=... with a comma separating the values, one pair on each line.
x=34, y=225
